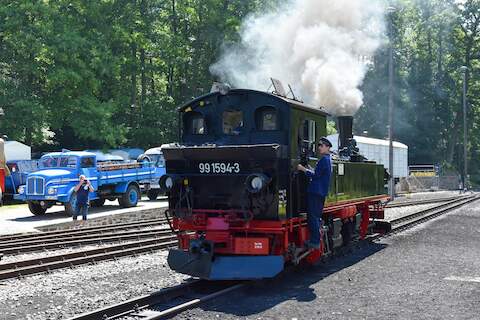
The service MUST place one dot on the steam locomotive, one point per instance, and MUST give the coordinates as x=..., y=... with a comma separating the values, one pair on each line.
x=237, y=202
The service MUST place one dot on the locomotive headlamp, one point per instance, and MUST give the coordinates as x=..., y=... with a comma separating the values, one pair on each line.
x=167, y=182
x=256, y=182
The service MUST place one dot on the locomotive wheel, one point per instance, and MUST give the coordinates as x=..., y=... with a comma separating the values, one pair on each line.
x=71, y=205
x=36, y=208
x=130, y=198
x=152, y=194
x=347, y=232
x=97, y=203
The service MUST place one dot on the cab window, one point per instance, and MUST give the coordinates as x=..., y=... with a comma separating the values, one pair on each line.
x=195, y=123
x=306, y=138
x=232, y=122
x=266, y=119
x=68, y=162
x=87, y=162
x=309, y=130
x=48, y=162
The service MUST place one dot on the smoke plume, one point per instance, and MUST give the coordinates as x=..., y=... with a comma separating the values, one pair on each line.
x=320, y=47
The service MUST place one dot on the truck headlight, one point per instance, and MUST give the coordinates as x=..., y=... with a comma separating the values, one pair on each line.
x=52, y=190
x=21, y=190
x=256, y=182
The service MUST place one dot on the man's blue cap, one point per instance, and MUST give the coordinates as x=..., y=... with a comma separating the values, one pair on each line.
x=325, y=141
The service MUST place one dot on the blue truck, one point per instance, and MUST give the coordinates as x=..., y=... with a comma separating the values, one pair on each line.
x=155, y=156
x=59, y=172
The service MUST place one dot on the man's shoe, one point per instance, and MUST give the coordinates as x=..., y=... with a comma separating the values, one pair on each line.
x=310, y=245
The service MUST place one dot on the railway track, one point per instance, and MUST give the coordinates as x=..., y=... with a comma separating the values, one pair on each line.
x=25, y=246
x=47, y=264
x=170, y=301
x=419, y=202
x=166, y=302
x=410, y=220
x=83, y=231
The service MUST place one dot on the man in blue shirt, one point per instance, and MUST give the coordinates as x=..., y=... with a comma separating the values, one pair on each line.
x=317, y=191
x=82, y=189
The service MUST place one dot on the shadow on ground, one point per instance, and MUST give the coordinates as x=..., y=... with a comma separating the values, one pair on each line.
x=295, y=284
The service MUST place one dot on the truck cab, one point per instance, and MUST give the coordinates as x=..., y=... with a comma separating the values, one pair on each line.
x=155, y=157
x=54, y=181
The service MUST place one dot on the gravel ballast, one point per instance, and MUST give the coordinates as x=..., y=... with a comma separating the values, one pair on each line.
x=424, y=273
x=64, y=293
x=430, y=272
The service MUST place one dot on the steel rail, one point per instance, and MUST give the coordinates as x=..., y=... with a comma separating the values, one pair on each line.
x=61, y=239
x=444, y=207
x=419, y=202
x=74, y=232
x=410, y=220
x=46, y=264
x=138, y=306
x=64, y=244
x=154, y=315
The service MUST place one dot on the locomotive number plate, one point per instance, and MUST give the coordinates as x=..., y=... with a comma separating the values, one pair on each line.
x=219, y=167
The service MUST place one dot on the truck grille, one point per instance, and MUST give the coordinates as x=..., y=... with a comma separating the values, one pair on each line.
x=35, y=186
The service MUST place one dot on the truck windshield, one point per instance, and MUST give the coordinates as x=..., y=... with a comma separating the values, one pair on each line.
x=58, y=162
x=157, y=159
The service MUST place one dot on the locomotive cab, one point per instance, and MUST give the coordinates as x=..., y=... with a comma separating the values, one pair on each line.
x=236, y=198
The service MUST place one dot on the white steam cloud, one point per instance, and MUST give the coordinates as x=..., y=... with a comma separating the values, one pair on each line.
x=318, y=46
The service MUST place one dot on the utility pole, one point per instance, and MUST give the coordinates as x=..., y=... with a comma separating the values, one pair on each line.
x=463, y=70
x=391, y=182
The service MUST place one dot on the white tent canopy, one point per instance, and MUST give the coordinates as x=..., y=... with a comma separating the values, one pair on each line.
x=15, y=150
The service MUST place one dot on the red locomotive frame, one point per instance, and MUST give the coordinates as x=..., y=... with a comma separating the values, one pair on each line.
x=239, y=236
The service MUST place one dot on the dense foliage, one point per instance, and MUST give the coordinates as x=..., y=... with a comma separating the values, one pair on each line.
x=431, y=41
x=107, y=73
x=101, y=74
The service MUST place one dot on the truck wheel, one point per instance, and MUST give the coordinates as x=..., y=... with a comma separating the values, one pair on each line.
x=152, y=194
x=97, y=203
x=130, y=198
x=71, y=205
x=36, y=208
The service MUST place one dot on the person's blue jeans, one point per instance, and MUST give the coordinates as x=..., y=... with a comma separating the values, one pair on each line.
x=81, y=209
x=315, y=204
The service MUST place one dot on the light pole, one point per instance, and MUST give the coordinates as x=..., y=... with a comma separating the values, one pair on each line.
x=391, y=182
x=463, y=70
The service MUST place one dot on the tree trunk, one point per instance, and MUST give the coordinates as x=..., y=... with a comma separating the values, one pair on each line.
x=143, y=80
x=133, y=95
x=171, y=67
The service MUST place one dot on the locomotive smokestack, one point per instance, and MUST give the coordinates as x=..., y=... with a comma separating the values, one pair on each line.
x=345, y=131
